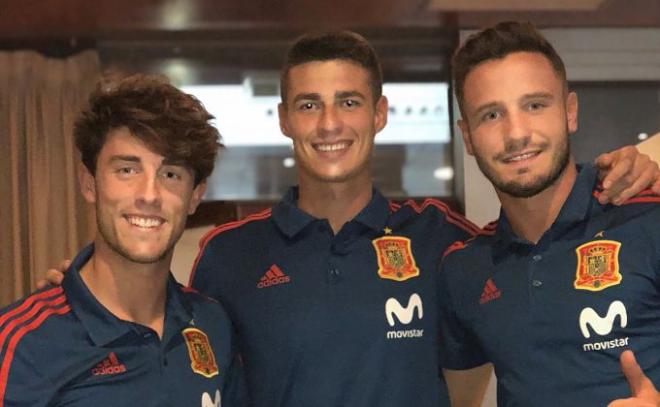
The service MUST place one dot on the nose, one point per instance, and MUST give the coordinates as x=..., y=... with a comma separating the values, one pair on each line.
x=149, y=190
x=517, y=129
x=330, y=121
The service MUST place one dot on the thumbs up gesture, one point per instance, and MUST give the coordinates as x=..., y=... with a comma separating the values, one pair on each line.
x=644, y=393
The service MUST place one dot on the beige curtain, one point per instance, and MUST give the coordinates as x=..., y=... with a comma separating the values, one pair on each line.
x=43, y=218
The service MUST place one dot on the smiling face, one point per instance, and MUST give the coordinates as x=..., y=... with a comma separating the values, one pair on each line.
x=332, y=119
x=518, y=115
x=141, y=199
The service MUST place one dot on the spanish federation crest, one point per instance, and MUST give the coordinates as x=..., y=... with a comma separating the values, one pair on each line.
x=597, y=265
x=395, y=259
x=202, y=360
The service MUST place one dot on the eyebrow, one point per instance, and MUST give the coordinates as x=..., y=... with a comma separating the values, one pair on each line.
x=306, y=96
x=136, y=159
x=130, y=158
x=338, y=95
x=538, y=95
x=174, y=161
x=348, y=94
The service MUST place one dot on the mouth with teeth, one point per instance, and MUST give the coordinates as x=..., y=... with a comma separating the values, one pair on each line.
x=332, y=147
x=519, y=157
x=144, y=222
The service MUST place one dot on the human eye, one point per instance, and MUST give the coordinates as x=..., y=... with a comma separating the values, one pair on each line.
x=172, y=173
x=490, y=116
x=307, y=105
x=536, y=105
x=351, y=103
x=125, y=170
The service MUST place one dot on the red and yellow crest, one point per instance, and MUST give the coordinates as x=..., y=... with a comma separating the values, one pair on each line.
x=395, y=259
x=202, y=360
x=597, y=265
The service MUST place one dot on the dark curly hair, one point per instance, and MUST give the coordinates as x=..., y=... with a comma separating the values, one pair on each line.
x=172, y=123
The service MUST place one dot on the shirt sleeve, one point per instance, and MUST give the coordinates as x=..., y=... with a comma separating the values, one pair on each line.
x=24, y=385
x=206, y=270
x=459, y=347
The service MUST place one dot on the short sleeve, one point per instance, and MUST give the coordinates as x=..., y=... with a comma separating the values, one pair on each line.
x=459, y=348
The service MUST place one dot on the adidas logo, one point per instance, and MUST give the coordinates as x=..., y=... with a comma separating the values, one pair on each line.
x=273, y=276
x=490, y=293
x=109, y=365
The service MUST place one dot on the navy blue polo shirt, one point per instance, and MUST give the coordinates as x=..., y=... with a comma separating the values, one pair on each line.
x=553, y=317
x=334, y=320
x=60, y=346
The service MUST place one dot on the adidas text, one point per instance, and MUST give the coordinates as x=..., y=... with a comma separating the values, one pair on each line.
x=274, y=281
x=97, y=371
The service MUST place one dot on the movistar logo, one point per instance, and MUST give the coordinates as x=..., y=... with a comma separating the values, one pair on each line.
x=404, y=315
x=602, y=325
x=207, y=401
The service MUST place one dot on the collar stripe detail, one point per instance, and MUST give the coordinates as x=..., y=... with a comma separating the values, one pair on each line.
x=46, y=309
x=190, y=290
x=233, y=225
x=647, y=191
x=645, y=196
x=186, y=289
x=451, y=216
x=489, y=230
x=265, y=214
x=458, y=245
x=643, y=199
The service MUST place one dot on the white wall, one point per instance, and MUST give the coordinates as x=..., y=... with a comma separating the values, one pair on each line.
x=185, y=252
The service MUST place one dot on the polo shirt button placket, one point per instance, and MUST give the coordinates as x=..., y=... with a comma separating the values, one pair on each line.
x=536, y=283
x=333, y=275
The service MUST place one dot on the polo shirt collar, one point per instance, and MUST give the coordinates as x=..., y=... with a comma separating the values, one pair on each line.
x=291, y=220
x=178, y=310
x=288, y=217
x=376, y=213
x=574, y=210
x=101, y=325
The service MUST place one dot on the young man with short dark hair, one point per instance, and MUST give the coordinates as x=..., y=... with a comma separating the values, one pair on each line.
x=556, y=289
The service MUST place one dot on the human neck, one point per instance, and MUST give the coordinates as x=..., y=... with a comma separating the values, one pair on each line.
x=531, y=217
x=338, y=202
x=131, y=291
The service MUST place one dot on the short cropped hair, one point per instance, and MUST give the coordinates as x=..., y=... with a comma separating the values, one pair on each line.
x=169, y=121
x=326, y=46
x=496, y=43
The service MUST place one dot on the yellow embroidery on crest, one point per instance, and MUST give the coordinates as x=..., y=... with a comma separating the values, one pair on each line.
x=597, y=265
x=202, y=359
x=395, y=259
